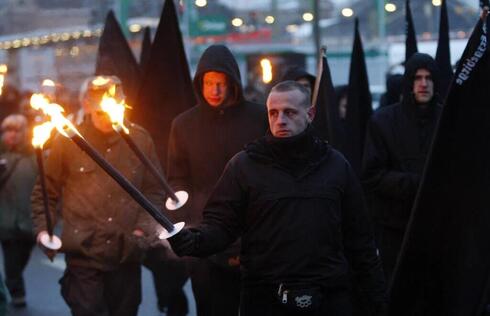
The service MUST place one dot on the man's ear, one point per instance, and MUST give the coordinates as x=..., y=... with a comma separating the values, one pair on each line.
x=311, y=113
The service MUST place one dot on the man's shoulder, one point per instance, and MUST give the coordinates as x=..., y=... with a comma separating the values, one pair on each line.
x=187, y=116
x=386, y=116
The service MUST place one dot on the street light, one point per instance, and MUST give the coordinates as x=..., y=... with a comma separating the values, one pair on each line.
x=347, y=12
x=390, y=7
x=237, y=22
x=135, y=28
x=201, y=3
x=292, y=28
x=269, y=19
x=308, y=16
x=436, y=3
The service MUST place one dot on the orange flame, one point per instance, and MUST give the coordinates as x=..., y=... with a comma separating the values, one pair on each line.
x=41, y=134
x=114, y=109
x=55, y=111
x=3, y=74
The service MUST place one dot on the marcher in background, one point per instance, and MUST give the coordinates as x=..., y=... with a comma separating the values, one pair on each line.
x=202, y=140
x=299, y=209
x=341, y=94
x=393, y=94
x=397, y=142
x=104, y=232
x=18, y=172
x=300, y=75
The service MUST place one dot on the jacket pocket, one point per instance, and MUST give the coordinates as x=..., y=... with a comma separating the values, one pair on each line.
x=77, y=241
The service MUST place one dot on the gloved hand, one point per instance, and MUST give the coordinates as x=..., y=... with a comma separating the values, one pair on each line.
x=184, y=242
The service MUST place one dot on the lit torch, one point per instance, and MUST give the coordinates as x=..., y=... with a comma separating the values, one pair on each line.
x=3, y=74
x=41, y=134
x=116, y=110
x=67, y=129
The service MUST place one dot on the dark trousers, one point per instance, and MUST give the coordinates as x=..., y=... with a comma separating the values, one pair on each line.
x=16, y=254
x=169, y=276
x=389, y=242
x=90, y=292
x=216, y=289
x=265, y=302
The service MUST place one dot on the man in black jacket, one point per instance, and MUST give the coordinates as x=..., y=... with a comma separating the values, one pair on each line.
x=299, y=210
x=397, y=142
x=202, y=140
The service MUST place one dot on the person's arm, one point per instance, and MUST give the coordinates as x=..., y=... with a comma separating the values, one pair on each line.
x=222, y=222
x=359, y=242
x=377, y=177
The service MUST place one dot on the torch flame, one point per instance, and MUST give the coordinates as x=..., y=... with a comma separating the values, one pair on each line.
x=266, y=65
x=41, y=134
x=39, y=101
x=114, y=109
x=3, y=74
x=55, y=112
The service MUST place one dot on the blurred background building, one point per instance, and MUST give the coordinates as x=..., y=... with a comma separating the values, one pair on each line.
x=58, y=39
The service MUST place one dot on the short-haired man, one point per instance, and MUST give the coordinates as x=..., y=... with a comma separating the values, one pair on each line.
x=103, y=228
x=299, y=210
x=397, y=141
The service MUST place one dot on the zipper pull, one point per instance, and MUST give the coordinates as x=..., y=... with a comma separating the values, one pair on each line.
x=285, y=297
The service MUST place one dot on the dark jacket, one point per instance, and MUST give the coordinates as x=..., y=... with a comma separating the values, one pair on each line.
x=98, y=215
x=301, y=219
x=15, y=192
x=397, y=142
x=204, y=138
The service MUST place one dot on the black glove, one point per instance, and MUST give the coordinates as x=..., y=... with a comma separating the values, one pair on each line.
x=184, y=242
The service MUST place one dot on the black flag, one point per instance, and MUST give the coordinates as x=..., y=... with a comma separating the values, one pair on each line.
x=359, y=105
x=443, y=54
x=444, y=265
x=145, y=49
x=166, y=86
x=326, y=122
x=411, y=36
x=114, y=57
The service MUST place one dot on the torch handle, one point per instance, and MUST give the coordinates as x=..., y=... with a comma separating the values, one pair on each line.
x=49, y=223
x=148, y=164
x=124, y=183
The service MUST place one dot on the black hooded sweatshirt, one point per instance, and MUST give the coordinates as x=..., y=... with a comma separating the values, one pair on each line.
x=204, y=138
x=397, y=143
x=299, y=209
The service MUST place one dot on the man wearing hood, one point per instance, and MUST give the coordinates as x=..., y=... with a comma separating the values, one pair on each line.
x=397, y=142
x=298, y=207
x=202, y=140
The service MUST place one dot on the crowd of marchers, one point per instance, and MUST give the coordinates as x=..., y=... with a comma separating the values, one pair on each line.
x=277, y=222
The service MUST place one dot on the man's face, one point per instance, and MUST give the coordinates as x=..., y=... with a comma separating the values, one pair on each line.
x=287, y=116
x=13, y=137
x=215, y=88
x=101, y=121
x=423, y=86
